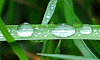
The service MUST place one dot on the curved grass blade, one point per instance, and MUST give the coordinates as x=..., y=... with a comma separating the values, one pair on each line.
x=49, y=12
x=84, y=49
x=71, y=57
x=12, y=42
x=57, y=51
x=80, y=43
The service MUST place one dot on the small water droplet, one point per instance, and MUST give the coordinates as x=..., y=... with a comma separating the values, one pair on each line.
x=94, y=30
x=79, y=34
x=48, y=30
x=96, y=33
x=39, y=33
x=36, y=35
x=12, y=34
x=47, y=16
x=25, y=30
x=63, y=30
x=86, y=29
x=45, y=35
x=99, y=30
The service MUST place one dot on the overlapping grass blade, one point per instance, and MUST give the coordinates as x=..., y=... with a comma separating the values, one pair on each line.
x=48, y=14
x=71, y=57
x=57, y=50
x=80, y=43
x=12, y=42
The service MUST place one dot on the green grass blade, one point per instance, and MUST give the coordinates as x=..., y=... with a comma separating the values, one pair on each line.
x=80, y=43
x=43, y=49
x=71, y=57
x=57, y=51
x=48, y=14
x=84, y=49
x=2, y=2
x=49, y=11
x=12, y=42
x=11, y=12
x=49, y=34
x=74, y=15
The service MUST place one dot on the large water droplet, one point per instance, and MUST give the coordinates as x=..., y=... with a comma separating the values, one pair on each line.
x=25, y=30
x=63, y=30
x=86, y=29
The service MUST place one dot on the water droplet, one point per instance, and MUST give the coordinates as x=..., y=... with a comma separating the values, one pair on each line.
x=12, y=34
x=25, y=30
x=39, y=33
x=45, y=35
x=79, y=34
x=94, y=30
x=96, y=33
x=86, y=29
x=63, y=30
x=99, y=30
x=48, y=30
x=47, y=16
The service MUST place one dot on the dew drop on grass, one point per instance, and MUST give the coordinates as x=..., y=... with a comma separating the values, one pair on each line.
x=85, y=29
x=25, y=30
x=63, y=30
x=45, y=35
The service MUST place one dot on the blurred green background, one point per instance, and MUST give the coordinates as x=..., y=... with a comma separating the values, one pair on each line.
x=16, y=12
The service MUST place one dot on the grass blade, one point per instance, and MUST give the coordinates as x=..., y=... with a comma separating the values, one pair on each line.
x=84, y=49
x=2, y=2
x=57, y=51
x=12, y=42
x=61, y=56
x=49, y=11
x=80, y=43
x=48, y=14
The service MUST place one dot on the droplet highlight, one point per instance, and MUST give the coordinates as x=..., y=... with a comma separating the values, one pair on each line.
x=63, y=30
x=25, y=30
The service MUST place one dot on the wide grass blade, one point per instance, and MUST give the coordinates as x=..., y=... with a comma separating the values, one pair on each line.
x=47, y=31
x=71, y=57
x=12, y=42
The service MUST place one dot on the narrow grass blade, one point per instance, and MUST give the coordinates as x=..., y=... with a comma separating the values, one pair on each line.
x=49, y=11
x=84, y=49
x=61, y=56
x=12, y=42
x=74, y=15
x=48, y=14
x=11, y=12
x=57, y=51
x=43, y=49
x=2, y=2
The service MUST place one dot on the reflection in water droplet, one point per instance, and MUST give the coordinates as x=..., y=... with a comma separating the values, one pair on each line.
x=1, y=34
x=45, y=35
x=63, y=30
x=86, y=29
x=25, y=30
x=47, y=16
x=94, y=30
x=1, y=37
x=39, y=33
